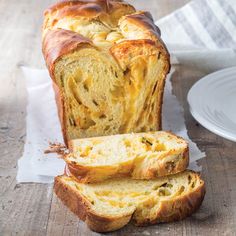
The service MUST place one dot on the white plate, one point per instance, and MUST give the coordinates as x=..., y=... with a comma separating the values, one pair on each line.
x=212, y=102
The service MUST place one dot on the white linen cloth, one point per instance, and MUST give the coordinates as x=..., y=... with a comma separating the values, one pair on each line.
x=200, y=34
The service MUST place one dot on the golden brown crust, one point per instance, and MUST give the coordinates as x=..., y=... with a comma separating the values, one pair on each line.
x=161, y=97
x=57, y=43
x=75, y=202
x=75, y=8
x=60, y=110
x=144, y=20
x=84, y=174
x=78, y=204
x=90, y=9
x=178, y=208
x=105, y=224
x=79, y=173
x=170, y=210
x=86, y=8
x=127, y=49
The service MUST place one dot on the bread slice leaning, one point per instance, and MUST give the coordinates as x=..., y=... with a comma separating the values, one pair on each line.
x=140, y=155
x=110, y=205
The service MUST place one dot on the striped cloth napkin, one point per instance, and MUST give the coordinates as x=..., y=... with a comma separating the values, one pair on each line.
x=202, y=31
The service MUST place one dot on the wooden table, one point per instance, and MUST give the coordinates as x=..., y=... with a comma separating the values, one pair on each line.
x=33, y=209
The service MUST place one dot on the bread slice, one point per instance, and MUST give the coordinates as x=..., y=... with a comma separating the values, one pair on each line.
x=110, y=205
x=108, y=65
x=141, y=156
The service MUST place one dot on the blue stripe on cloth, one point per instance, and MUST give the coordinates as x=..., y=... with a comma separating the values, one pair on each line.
x=215, y=29
x=227, y=8
x=188, y=28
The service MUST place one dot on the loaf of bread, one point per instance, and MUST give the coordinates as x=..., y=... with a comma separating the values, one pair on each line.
x=108, y=65
x=110, y=205
x=140, y=156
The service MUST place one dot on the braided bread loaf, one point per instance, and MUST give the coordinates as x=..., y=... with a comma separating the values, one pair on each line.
x=108, y=65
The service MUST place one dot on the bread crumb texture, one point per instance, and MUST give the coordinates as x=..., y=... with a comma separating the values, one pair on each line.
x=113, y=83
x=161, y=200
x=140, y=155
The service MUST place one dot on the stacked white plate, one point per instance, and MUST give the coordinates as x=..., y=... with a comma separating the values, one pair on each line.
x=212, y=102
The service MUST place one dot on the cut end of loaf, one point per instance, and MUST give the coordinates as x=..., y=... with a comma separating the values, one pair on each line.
x=110, y=205
x=109, y=67
x=101, y=99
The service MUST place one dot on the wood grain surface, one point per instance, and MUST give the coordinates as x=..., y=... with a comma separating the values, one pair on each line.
x=33, y=209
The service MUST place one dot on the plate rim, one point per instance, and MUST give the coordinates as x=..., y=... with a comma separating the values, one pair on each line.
x=205, y=123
